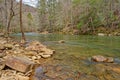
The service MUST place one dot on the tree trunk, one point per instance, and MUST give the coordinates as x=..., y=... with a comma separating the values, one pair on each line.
x=11, y=15
x=6, y=14
x=21, y=25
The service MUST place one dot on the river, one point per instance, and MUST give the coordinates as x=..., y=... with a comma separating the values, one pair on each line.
x=77, y=50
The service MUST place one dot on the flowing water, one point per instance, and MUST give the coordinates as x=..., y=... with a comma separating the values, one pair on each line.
x=77, y=50
x=83, y=45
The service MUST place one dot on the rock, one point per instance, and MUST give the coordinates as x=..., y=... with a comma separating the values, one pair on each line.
x=109, y=60
x=46, y=56
x=110, y=35
x=1, y=51
x=17, y=45
x=3, y=42
x=40, y=54
x=38, y=57
x=22, y=77
x=49, y=52
x=2, y=34
x=30, y=53
x=99, y=58
x=116, y=69
x=39, y=73
x=19, y=63
x=34, y=57
x=2, y=55
x=35, y=46
x=8, y=46
x=2, y=47
x=61, y=41
x=118, y=34
x=45, y=32
x=101, y=34
x=2, y=64
x=76, y=32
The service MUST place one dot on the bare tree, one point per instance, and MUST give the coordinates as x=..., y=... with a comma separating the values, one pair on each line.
x=21, y=25
x=11, y=15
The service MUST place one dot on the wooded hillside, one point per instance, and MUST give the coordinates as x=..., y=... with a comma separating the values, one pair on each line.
x=9, y=12
x=66, y=16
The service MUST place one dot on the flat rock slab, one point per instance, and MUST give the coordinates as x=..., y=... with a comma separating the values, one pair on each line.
x=19, y=63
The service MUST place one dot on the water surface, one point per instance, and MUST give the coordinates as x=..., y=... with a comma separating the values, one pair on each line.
x=79, y=45
x=74, y=56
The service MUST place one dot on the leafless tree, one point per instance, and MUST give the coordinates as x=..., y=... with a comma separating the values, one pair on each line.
x=21, y=24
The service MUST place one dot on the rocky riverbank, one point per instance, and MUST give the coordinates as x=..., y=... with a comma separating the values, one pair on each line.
x=17, y=60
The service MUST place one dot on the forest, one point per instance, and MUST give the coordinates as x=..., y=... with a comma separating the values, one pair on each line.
x=63, y=16
x=59, y=39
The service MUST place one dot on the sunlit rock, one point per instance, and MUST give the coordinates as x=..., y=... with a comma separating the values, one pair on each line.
x=101, y=34
x=99, y=58
x=34, y=57
x=46, y=56
x=61, y=41
x=8, y=46
x=38, y=57
x=23, y=77
x=109, y=60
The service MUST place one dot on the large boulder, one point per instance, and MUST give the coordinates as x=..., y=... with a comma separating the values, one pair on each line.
x=19, y=63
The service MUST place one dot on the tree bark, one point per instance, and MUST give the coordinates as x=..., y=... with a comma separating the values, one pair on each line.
x=11, y=15
x=21, y=25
